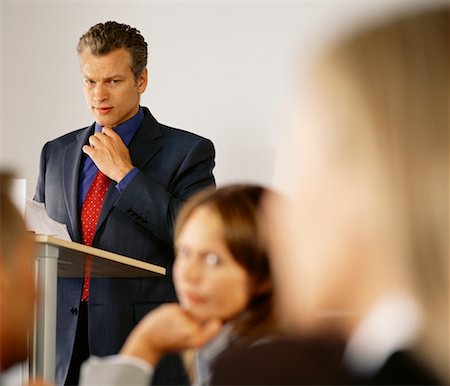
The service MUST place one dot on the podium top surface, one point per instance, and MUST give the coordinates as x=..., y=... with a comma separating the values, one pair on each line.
x=72, y=257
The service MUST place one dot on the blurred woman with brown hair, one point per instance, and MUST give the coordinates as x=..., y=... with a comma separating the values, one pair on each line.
x=222, y=269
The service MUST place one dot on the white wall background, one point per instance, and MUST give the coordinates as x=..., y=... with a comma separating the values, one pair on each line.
x=223, y=69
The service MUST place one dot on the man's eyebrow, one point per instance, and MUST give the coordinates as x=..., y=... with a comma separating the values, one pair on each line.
x=114, y=76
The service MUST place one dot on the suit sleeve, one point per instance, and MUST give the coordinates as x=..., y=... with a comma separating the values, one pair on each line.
x=154, y=206
x=39, y=195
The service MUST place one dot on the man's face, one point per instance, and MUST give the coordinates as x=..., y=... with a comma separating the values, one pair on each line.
x=17, y=301
x=111, y=90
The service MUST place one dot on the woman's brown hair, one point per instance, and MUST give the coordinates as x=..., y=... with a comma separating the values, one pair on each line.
x=238, y=207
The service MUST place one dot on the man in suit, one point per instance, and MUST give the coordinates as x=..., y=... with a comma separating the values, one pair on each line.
x=148, y=171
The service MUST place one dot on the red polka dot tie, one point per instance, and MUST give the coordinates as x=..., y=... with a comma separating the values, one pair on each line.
x=90, y=212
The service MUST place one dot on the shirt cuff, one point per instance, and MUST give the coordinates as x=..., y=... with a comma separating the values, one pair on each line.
x=115, y=370
x=126, y=180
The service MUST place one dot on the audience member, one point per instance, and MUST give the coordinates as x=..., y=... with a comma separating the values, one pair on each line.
x=17, y=284
x=17, y=291
x=362, y=252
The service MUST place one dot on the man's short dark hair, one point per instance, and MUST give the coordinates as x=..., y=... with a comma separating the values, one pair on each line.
x=103, y=38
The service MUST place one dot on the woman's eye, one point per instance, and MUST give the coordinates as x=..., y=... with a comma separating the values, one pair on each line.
x=212, y=259
x=182, y=252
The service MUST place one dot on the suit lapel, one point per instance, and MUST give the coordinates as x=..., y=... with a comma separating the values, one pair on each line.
x=146, y=142
x=143, y=147
x=72, y=162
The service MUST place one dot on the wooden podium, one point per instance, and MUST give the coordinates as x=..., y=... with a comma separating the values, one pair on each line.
x=62, y=258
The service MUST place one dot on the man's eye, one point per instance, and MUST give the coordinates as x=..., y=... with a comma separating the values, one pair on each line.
x=89, y=82
x=115, y=81
x=212, y=259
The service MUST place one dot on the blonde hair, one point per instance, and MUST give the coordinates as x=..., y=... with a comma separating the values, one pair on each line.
x=393, y=106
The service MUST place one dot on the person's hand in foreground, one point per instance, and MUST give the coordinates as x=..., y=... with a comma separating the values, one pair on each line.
x=167, y=329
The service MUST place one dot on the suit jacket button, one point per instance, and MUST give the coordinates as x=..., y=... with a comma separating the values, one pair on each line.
x=74, y=311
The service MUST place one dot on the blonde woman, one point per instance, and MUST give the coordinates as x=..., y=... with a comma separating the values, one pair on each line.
x=365, y=259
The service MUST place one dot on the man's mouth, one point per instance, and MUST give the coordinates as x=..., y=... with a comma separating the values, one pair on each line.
x=103, y=110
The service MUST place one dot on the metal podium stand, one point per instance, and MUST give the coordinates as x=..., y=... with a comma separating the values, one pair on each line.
x=62, y=258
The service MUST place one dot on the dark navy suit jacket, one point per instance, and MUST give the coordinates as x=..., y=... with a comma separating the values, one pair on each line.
x=173, y=164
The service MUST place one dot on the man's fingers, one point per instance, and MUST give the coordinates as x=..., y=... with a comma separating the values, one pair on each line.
x=109, y=132
x=93, y=140
x=87, y=150
x=98, y=139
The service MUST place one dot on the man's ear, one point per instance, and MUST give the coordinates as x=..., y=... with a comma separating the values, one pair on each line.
x=142, y=81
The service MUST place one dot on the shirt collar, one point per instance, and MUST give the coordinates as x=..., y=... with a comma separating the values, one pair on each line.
x=391, y=325
x=127, y=129
x=208, y=353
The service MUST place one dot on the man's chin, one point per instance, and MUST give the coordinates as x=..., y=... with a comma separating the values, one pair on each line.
x=104, y=123
x=103, y=120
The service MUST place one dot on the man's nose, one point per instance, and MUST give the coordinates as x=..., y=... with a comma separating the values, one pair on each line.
x=100, y=92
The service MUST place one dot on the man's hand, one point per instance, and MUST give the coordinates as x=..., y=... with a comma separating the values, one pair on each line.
x=168, y=328
x=109, y=153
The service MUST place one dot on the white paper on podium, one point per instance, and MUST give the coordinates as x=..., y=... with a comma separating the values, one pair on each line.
x=18, y=194
x=38, y=221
